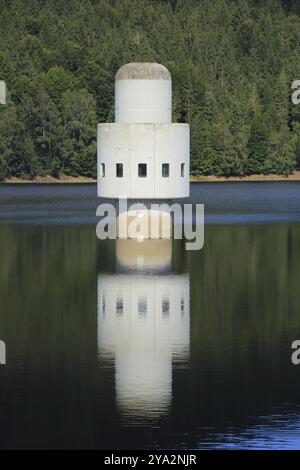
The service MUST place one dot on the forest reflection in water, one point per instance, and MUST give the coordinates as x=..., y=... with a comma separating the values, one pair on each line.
x=209, y=336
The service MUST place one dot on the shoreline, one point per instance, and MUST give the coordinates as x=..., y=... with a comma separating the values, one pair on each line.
x=51, y=180
x=193, y=179
x=244, y=179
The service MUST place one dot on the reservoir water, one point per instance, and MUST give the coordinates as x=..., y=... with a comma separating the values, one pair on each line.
x=182, y=350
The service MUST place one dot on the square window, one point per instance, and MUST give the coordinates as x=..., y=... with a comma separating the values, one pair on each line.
x=103, y=305
x=165, y=170
x=165, y=306
x=182, y=170
x=119, y=170
x=102, y=170
x=119, y=306
x=142, y=306
x=142, y=170
x=182, y=305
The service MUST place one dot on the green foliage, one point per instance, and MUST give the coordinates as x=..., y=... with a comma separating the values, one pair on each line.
x=7, y=132
x=79, y=117
x=232, y=63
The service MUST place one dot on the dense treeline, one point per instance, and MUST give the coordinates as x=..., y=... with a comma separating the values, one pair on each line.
x=232, y=63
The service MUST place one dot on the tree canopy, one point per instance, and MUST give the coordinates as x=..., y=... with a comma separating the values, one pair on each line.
x=232, y=63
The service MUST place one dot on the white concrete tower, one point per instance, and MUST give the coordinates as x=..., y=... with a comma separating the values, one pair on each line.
x=143, y=155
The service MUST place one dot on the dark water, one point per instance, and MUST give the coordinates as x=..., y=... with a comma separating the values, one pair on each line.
x=113, y=345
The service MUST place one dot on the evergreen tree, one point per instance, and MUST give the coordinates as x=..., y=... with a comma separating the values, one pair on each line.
x=232, y=64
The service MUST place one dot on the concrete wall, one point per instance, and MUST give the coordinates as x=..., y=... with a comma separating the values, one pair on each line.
x=145, y=101
x=153, y=144
x=143, y=133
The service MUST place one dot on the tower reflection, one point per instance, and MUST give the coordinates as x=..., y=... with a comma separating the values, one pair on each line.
x=143, y=325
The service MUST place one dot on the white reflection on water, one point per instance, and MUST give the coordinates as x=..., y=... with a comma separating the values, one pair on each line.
x=144, y=327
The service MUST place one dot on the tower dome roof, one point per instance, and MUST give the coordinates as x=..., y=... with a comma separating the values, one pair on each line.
x=143, y=71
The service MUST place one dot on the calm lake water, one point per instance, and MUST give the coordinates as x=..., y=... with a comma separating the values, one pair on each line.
x=116, y=345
